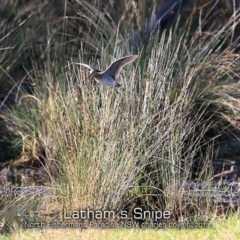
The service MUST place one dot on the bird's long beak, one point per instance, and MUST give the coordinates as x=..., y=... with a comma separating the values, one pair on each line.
x=90, y=75
x=93, y=73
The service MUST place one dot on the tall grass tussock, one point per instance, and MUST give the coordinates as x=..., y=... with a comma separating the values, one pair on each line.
x=109, y=151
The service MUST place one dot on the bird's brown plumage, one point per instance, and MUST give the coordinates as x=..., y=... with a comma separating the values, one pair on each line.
x=115, y=68
x=109, y=76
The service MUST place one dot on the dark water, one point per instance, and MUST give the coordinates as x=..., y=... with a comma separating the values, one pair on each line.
x=25, y=196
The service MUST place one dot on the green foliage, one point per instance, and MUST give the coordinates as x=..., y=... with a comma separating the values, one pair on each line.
x=103, y=149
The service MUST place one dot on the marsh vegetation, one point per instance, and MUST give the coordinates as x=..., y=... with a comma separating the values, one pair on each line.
x=103, y=150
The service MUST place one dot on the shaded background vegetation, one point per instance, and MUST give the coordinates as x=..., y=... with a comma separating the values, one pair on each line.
x=38, y=39
x=33, y=33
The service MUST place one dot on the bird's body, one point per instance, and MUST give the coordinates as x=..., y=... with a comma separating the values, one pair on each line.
x=107, y=81
x=109, y=76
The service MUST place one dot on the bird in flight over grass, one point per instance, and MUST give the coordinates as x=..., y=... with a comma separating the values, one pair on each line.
x=109, y=76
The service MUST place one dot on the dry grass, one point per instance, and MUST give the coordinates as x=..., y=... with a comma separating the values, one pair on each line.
x=104, y=150
x=224, y=229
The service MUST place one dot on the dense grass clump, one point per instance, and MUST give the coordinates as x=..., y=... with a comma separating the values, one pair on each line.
x=105, y=150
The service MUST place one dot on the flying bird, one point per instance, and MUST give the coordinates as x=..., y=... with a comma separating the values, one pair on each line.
x=109, y=76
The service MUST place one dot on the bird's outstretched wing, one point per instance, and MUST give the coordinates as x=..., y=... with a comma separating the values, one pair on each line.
x=115, y=68
x=88, y=66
